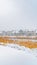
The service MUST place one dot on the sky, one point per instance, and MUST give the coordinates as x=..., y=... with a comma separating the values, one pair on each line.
x=18, y=14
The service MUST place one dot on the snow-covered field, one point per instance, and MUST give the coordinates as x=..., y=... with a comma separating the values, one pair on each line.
x=13, y=54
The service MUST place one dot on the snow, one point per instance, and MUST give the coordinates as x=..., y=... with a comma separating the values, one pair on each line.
x=34, y=51
x=16, y=55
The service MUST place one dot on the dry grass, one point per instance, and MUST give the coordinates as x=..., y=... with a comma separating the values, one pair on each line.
x=28, y=44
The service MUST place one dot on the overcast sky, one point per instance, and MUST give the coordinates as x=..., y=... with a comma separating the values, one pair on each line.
x=18, y=14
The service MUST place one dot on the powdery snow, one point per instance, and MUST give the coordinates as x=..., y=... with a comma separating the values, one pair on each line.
x=13, y=56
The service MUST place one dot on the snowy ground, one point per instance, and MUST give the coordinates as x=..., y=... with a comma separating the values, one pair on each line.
x=17, y=55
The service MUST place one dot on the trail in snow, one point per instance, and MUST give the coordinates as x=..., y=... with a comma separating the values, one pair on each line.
x=12, y=54
x=22, y=48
